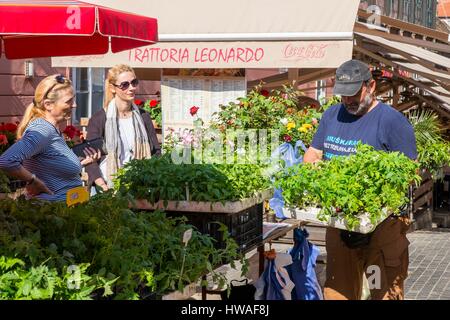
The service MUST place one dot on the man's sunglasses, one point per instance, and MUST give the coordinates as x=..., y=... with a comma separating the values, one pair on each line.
x=126, y=84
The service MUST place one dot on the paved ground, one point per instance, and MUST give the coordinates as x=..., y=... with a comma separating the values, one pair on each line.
x=429, y=268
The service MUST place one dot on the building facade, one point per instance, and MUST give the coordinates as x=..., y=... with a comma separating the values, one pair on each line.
x=420, y=12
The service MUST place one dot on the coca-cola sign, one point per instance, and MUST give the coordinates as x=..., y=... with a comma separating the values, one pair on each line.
x=305, y=52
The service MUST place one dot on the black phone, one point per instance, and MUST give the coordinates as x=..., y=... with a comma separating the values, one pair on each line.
x=97, y=144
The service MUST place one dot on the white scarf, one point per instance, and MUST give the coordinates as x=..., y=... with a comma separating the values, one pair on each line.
x=112, y=138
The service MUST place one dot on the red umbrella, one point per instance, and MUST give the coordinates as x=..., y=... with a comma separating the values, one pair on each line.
x=50, y=28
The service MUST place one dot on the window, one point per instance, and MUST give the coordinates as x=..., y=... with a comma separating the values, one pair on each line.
x=89, y=84
x=407, y=10
x=418, y=15
x=430, y=14
x=388, y=7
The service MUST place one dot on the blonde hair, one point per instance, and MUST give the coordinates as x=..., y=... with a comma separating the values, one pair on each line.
x=111, y=79
x=48, y=88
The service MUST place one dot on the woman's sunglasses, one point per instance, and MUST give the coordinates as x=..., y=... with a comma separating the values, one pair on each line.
x=126, y=84
x=60, y=79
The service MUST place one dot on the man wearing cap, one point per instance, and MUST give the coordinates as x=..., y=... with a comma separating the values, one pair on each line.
x=383, y=254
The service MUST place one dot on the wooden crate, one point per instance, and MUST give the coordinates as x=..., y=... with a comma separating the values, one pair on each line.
x=421, y=203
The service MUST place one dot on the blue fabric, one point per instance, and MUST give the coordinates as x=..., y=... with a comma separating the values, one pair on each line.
x=302, y=270
x=272, y=289
x=290, y=156
x=43, y=151
x=383, y=127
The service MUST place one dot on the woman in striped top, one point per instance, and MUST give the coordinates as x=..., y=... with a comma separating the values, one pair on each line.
x=41, y=157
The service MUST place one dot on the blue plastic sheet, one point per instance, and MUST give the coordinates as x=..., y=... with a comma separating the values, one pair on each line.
x=291, y=157
x=302, y=270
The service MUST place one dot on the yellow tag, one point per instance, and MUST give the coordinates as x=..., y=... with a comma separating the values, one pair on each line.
x=77, y=195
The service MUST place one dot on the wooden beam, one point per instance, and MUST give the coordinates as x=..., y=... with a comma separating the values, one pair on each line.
x=426, y=63
x=314, y=76
x=292, y=75
x=440, y=47
x=407, y=105
x=410, y=27
x=396, y=95
x=435, y=106
x=395, y=65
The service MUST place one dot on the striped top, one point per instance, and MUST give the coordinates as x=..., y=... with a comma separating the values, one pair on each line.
x=43, y=151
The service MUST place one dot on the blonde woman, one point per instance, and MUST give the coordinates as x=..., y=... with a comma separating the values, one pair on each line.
x=41, y=157
x=127, y=130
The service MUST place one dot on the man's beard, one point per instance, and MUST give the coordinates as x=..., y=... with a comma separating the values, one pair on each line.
x=360, y=109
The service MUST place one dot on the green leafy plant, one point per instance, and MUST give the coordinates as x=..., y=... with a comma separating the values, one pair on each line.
x=4, y=181
x=41, y=282
x=131, y=254
x=273, y=111
x=432, y=149
x=366, y=182
x=160, y=179
x=326, y=103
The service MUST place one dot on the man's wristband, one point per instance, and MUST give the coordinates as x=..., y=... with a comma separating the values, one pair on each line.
x=33, y=177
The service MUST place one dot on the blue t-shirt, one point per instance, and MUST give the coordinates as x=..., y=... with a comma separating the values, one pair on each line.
x=383, y=127
x=43, y=151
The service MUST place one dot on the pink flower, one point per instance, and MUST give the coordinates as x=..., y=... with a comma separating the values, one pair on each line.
x=193, y=110
x=314, y=121
x=187, y=138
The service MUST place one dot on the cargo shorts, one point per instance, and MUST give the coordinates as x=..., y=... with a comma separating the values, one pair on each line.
x=384, y=261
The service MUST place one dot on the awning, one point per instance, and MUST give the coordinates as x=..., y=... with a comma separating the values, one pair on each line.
x=48, y=28
x=427, y=77
x=237, y=34
x=415, y=53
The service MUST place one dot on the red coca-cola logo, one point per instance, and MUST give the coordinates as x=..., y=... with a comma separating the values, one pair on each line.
x=305, y=52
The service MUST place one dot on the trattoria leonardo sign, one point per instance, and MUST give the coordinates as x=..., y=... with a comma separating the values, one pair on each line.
x=269, y=54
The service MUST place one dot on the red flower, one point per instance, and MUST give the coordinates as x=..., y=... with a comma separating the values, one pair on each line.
x=153, y=103
x=265, y=93
x=11, y=127
x=193, y=110
x=138, y=102
x=287, y=138
x=71, y=131
x=3, y=140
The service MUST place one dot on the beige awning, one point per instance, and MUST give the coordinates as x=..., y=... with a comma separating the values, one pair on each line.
x=406, y=57
x=237, y=34
x=416, y=53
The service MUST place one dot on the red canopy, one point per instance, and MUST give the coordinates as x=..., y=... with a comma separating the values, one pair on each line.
x=50, y=28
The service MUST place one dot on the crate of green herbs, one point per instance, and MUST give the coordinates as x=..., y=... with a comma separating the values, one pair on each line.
x=355, y=193
x=232, y=194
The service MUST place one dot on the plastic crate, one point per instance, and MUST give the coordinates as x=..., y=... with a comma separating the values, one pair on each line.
x=245, y=227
